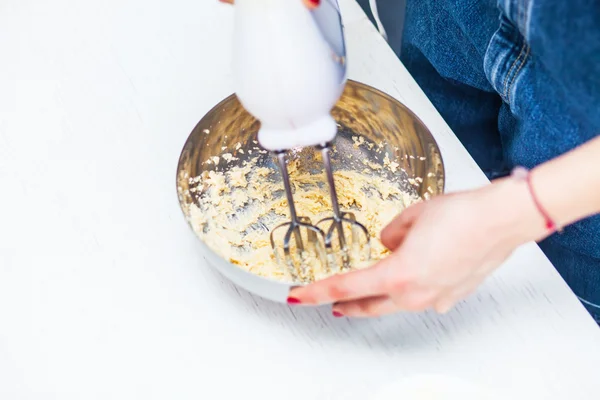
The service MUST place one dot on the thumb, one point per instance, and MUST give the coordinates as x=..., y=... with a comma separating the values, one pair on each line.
x=395, y=232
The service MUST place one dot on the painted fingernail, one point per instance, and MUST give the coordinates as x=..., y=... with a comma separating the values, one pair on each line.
x=293, y=300
x=337, y=314
x=312, y=3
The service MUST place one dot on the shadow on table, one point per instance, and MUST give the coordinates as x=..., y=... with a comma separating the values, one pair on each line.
x=401, y=332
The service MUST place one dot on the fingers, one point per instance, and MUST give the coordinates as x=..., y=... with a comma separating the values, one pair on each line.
x=395, y=232
x=446, y=304
x=369, y=307
x=387, y=276
x=385, y=288
x=447, y=300
x=226, y=1
x=311, y=4
x=413, y=301
x=367, y=282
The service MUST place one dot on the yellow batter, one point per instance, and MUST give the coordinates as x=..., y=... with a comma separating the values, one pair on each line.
x=237, y=209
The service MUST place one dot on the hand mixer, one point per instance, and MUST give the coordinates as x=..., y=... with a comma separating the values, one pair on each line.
x=290, y=70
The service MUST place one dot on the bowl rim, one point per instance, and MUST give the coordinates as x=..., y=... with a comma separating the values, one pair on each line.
x=233, y=269
x=415, y=118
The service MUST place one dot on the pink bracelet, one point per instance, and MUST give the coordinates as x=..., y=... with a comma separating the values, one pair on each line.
x=523, y=174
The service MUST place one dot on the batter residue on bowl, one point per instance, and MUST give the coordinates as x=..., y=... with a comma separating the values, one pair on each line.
x=236, y=208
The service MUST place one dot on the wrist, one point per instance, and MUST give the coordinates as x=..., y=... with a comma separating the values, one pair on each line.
x=512, y=200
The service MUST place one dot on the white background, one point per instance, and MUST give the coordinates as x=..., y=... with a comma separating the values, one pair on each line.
x=103, y=291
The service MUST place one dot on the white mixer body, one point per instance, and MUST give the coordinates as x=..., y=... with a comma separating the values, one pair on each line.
x=289, y=69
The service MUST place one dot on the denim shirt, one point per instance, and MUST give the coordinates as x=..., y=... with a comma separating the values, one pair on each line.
x=564, y=40
x=544, y=52
x=544, y=60
x=519, y=83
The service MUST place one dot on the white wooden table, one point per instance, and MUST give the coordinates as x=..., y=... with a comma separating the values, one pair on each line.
x=103, y=291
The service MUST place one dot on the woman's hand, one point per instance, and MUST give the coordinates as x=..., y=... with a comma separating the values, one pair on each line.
x=442, y=250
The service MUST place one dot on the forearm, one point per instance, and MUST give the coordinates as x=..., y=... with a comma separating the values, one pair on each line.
x=568, y=187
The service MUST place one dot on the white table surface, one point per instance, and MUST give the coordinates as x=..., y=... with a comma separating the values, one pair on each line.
x=103, y=291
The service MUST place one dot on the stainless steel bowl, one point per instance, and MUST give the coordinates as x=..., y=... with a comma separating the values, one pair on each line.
x=361, y=112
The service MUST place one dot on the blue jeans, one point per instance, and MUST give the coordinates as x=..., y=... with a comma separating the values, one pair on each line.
x=519, y=83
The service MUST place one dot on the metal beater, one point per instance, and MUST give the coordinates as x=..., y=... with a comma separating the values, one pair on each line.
x=311, y=241
x=290, y=70
x=351, y=247
x=347, y=253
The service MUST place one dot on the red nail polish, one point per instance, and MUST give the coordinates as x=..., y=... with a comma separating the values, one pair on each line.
x=293, y=300
x=338, y=314
x=312, y=3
